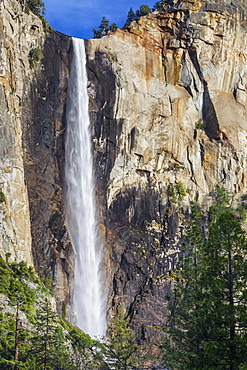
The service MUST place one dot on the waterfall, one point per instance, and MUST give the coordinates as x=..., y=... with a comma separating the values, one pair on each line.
x=81, y=219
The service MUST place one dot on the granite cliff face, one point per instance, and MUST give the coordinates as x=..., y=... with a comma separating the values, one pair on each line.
x=168, y=112
x=18, y=33
x=33, y=97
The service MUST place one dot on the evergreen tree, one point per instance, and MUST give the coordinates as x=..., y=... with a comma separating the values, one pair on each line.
x=121, y=346
x=40, y=339
x=48, y=347
x=160, y=4
x=143, y=10
x=113, y=27
x=207, y=321
x=13, y=336
x=225, y=279
x=123, y=349
x=7, y=339
x=183, y=333
x=130, y=17
x=36, y=6
x=13, y=339
x=104, y=28
x=96, y=34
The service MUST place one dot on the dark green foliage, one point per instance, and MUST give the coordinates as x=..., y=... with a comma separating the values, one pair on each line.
x=7, y=339
x=96, y=34
x=225, y=279
x=134, y=16
x=242, y=211
x=48, y=349
x=48, y=284
x=182, y=334
x=123, y=349
x=14, y=283
x=63, y=310
x=8, y=342
x=176, y=192
x=37, y=7
x=130, y=17
x=200, y=125
x=113, y=27
x=7, y=256
x=221, y=202
x=160, y=4
x=143, y=10
x=2, y=197
x=35, y=55
x=207, y=321
x=104, y=28
x=17, y=283
x=47, y=342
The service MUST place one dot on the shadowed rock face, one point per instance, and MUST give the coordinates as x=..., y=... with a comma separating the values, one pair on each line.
x=43, y=113
x=168, y=112
x=167, y=106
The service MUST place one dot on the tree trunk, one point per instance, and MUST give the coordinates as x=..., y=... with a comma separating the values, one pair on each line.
x=17, y=331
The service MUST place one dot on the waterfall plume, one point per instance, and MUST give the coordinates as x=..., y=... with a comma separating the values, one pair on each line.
x=81, y=218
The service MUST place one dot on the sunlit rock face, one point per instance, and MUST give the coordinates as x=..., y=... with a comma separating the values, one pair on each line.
x=168, y=106
x=18, y=32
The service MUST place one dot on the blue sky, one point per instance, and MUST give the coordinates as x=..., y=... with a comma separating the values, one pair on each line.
x=78, y=17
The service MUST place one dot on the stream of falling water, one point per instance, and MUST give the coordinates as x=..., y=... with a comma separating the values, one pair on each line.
x=81, y=219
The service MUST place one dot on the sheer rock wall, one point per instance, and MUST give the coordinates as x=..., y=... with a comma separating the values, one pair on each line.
x=168, y=110
x=18, y=32
x=33, y=97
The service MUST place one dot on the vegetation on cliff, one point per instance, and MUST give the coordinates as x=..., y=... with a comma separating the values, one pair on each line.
x=132, y=16
x=207, y=318
x=104, y=27
x=37, y=7
x=34, y=337
x=207, y=321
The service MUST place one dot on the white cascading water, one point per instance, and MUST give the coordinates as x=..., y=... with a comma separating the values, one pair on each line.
x=88, y=302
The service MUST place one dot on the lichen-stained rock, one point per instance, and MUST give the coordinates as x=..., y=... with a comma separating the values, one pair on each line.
x=168, y=110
